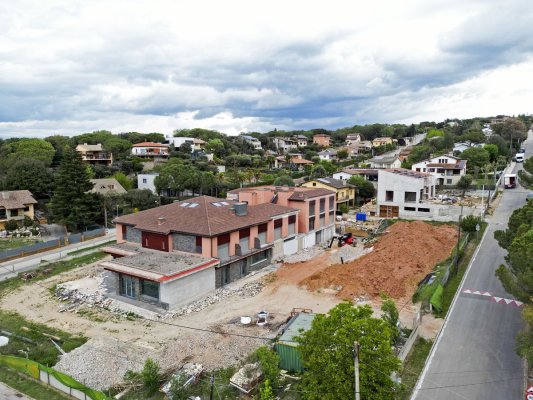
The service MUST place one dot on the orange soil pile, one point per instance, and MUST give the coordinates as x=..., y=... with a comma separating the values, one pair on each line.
x=401, y=258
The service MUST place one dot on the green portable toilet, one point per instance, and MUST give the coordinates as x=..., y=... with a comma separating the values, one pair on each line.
x=287, y=348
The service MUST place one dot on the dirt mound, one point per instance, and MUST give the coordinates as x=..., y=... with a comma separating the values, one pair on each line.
x=401, y=257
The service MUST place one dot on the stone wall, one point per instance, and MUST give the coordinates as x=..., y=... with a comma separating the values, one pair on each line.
x=184, y=242
x=133, y=235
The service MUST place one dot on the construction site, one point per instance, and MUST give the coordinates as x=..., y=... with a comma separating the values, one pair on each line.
x=220, y=329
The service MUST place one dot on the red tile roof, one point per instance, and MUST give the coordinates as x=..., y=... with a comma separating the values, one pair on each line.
x=150, y=144
x=204, y=218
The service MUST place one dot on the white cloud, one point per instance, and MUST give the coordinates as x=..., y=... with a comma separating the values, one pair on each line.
x=73, y=66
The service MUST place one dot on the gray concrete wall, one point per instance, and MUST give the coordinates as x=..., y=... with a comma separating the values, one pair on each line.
x=182, y=291
x=184, y=242
x=133, y=235
x=235, y=269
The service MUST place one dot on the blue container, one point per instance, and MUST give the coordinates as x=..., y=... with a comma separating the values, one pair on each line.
x=360, y=217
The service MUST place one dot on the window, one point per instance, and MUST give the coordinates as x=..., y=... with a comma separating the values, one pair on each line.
x=244, y=233
x=314, y=183
x=256, y=258
x=389, y=195
x=292, y=224
x=150, y=289
x=311, y=223
x=145, y=180
x=127, y=286
x=111, y=187
x=431, y=169
x=27, y=209
x=277, y=228
x=322, y=205
x=331, y=216
x=243, y=268
x=449, y=181
x=332, y=203
x=223, y=239
x=312, y=205
x=418, y=170
x=199, y=244
x=410, y=197
x=424, y=210
x=409, y=209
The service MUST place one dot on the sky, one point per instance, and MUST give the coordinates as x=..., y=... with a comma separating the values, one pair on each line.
x=69, y=67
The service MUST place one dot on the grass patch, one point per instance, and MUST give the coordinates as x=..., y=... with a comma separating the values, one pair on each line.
x=86, y=249
x=13, y=243
x=29, y=386
x=41, y=348
x=413, y=366
x=50, y=269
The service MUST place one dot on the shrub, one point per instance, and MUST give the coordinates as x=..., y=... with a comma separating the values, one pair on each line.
x=150, y=376
x=11, y=225
x=468, y=223
x=27, y=221
x=343, y=208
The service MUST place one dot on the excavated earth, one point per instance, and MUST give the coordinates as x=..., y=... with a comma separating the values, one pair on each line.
x=400, y=259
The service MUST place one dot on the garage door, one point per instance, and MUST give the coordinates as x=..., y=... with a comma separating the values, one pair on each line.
x=389, y=211
x=290, y=246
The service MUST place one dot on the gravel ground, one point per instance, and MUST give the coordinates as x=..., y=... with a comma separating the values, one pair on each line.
x=304, y=255
x=349, y=253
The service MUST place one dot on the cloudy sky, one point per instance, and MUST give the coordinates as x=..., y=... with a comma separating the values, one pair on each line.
x=68, y=67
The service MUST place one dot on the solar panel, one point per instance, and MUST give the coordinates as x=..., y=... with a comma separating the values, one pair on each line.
x=192, y=205
x=216, y=204
x=224, y=203
x=184, y=204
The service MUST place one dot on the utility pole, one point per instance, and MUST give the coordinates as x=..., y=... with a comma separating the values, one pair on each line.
x=356, y=369
x=458, y=241
x=105, y=216
x=212, y=387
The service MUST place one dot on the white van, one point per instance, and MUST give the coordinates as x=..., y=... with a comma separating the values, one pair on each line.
x=519, y=157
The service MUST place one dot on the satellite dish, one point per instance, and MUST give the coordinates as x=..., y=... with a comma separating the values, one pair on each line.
x=3, y=341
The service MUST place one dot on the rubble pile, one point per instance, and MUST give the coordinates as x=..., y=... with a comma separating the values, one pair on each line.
x=73, y=298
x=250, y=289
x=349, y=253
x=304, y=255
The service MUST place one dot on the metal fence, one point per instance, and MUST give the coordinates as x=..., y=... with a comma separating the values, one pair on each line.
x=50, y=244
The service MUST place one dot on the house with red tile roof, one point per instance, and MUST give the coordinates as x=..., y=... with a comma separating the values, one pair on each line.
x=149, y=149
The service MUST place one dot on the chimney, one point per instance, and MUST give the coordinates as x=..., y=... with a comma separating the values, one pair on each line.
x=241, y=209
x=160, y=220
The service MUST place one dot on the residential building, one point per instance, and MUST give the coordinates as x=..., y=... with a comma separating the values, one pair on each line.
x=462, y=146
x=285, y=145
x=446, y=169
x=94, y=154
x=487, y=130
x=107, y=186
x=316, y=220
x=381, y=141
x=302, y=140
x=147, y=181
x=240, y=236
x=404, y=193
x=359, y=147
x=405, y=152
x=385, y=162
x=352, y=139
x=344, y=192
x=196, y=144
x=322, y=139
x=328, y=155
x=254, y=142
x=296, y=162
x=15, y=205
x=367, y=173
x=150, y=149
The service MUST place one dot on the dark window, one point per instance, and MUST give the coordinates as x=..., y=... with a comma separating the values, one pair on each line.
x=331, y=216
x=314, y=183
x=150, y=289
x=322, y=205
x=223, y=239
x=262, y=228
x=424, y=210
x=243, y=268
x=244, y=233
x=27, y=208
x=292, y=219
x=312, y=208
x=389, y=195
x=278, y=223
x=410, y=197
x=311, y=223
x=124, y=232
x=259, y=257
x=449, y=181
x=409, y=209
x=198, y=244
x=332, y=202
x=3, y=214
x=144, y=180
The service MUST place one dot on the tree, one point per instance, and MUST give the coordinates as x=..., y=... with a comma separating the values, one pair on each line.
x=391, y=316
x=141, y=199
x=493, y=151
x=342, y=154
x=265, y=391
x=327, y=354
x=503, y=148
x=469, y=223
x=365, y=189
x=151, y=376
x=434, y=133
x=514, y=130
x=31, y=175
x=269, y=361
x=71, y=204
x=36, y=149
x=464, y=183
x=59, y=142
x=124, y=181
x=476, y=157
x=283, y=180
x=318, y=171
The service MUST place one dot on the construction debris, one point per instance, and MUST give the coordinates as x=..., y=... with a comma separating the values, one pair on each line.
x=247, y=378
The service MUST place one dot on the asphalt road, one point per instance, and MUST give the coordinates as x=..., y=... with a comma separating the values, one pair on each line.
x=11, y=268
x=474, y=357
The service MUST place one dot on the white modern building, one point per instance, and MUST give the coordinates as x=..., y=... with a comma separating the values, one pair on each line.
x=385, y=162
x=446, y=169
x=254, y=142
x=285, y=145
x=147, y=181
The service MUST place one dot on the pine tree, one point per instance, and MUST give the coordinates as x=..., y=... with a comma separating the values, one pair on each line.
x=71, y=204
